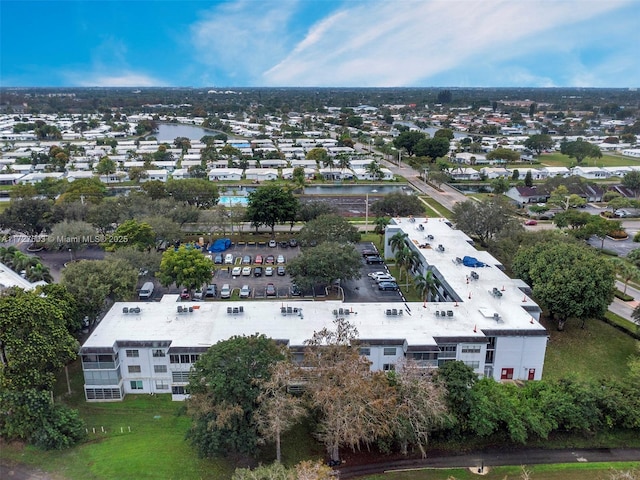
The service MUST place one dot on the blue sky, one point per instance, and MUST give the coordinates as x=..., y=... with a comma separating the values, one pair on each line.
x=359, y=43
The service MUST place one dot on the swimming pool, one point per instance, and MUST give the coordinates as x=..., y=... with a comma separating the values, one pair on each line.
x=233, y=200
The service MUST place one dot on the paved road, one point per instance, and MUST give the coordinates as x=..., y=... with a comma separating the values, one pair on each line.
x=494, y=458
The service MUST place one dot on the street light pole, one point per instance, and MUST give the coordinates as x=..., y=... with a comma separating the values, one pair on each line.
x=366, y=213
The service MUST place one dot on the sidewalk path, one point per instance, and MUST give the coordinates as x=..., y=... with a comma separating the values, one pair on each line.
x=498, y=457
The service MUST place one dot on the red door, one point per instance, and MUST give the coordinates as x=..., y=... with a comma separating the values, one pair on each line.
x=506, y=374
x=532, y=374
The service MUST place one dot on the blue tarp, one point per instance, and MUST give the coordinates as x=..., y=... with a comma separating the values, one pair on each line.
x=472, y=262
x=220, y=245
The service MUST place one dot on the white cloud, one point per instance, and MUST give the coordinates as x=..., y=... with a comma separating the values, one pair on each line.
x=242, y=39
x=385, y=43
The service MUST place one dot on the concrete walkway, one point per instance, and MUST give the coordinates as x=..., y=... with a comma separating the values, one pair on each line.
x=496, y=457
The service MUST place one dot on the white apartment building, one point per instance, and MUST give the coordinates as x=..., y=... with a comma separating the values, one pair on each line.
x=479, y=316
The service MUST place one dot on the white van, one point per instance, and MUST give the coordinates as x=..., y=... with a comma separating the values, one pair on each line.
x=225, y=291
x=146, y=292
x=228, y=259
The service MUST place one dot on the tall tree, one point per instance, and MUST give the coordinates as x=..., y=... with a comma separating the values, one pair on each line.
x=198, y=192
x=325, y=264
x=539, y=143
x=72, y=236
x=580, y=150
x=31, y=216
x=426, y=285
x=569, y=280
x=34, y=340
x=408, y=140
x=353, y=402
x=406, y=259
x=279, y=409
x=184, y=266
x=131, y=233
x=97, y=283
x=420, y=407
x=631, y=180
x=271, y=204
x=224, y=394
x=486, y=220
x=326, y=228
x=398, y=204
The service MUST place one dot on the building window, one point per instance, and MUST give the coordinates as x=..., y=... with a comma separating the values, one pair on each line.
x=488, y=358
x=447, y=351
x=389, y=351
x=103, y=394
x=136, y=385
x=158, y=353
x=178, y=390
x=184, y=359
x=388, y=367
x=474, y=364
x=470, y=349
x=134, y=368
x=174, y=358
x=365, y=351
x=506, y=374
x=160, y=369
x=180, y=377
x=133, y=353
x=162, y=385
x=194, y=358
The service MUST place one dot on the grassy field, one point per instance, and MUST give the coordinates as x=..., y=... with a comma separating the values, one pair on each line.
x=557, y=159
x=597, y=351
x=585, y=471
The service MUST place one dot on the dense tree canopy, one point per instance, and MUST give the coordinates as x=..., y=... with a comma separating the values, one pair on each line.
x=184, y=266
x=571, y=281
x=398, y=204
x=95, y=283
x=432, y=147
x=34, y=340
x=505, y=154
x=325, y=264
x=327, y=228
x=271, y=204
x=31, y=216
x=487, y=219
x=539, y=143
x=197, y=192
x=224, y=394
x=580, y=150
x=408, y=140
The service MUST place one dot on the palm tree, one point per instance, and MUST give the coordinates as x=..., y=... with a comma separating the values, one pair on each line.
x=7, y=254
x=39, y=272
x=344, y=162
x=626, y=271
x=398, y=240
x=380, y=228
x=407, y=260
x=425, y=285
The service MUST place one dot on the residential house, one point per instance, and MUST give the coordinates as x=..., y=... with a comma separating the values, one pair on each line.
x=527, y=195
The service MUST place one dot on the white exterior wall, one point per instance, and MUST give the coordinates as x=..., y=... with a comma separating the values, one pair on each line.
x=379, y=359
x=520, y=354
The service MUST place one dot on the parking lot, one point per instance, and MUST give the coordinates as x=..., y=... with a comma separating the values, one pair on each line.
x=234, y=275
x=364, y=289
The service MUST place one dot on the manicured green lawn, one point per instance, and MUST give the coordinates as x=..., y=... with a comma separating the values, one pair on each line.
x=597, y=351
x=143, y=438
x=557, y=159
